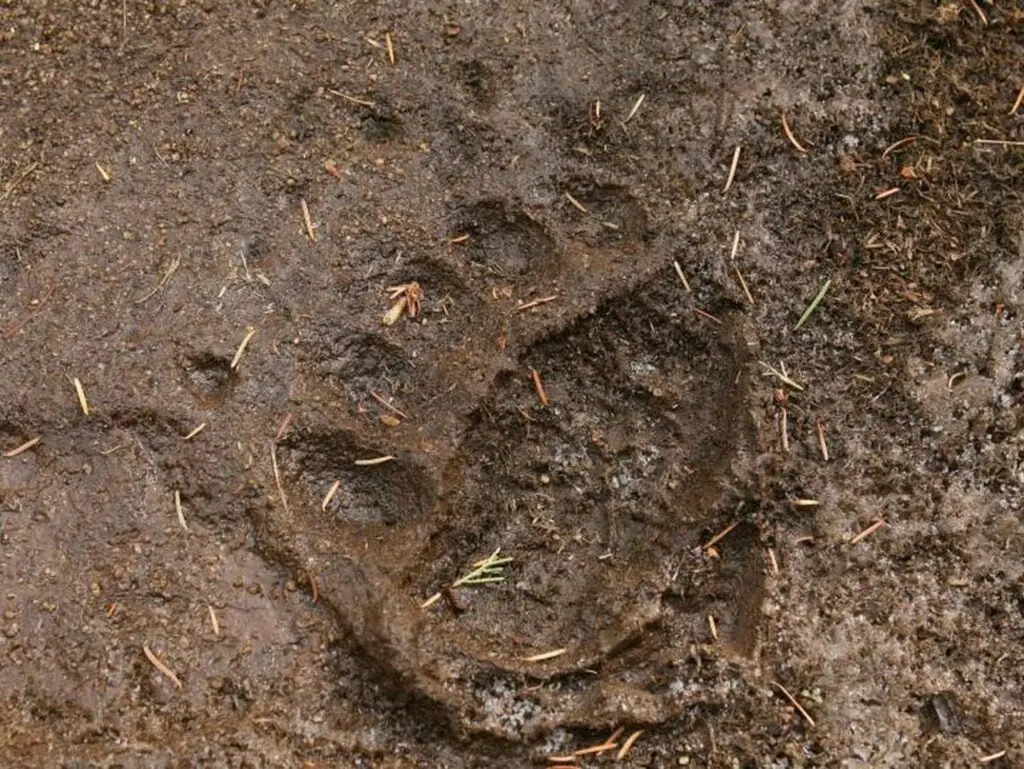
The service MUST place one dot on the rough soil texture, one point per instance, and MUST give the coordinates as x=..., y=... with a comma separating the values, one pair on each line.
x=155, y=159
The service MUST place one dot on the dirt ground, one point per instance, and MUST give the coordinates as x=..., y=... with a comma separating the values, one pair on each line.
x=757, y=544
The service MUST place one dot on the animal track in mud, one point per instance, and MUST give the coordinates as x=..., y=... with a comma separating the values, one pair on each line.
x=507, y=242
x=602, y=499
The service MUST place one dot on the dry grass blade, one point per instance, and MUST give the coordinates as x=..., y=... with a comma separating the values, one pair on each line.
x=382, y=401
x=868, y=531
x=743, y=285
x=535, y=302
x=682, y=277
x=159, y=665
x=628, y=744
x=732, y=168
x=992, y=757
x=22, y=448
x=81, y=396
x=795, y=703
x=720, y=536
x=391, y=48
x=103, y=172
x=213, y=620
x=781, y=375
x=310, y=232
x=708, y=316
x=18, y=180
x=543, y=656
x=375, y=461
x=575, y=203
x=636, y=106
x=887, y=193
x=352, y=99
x=539, y=387
x=194, y=432
x=241, y=348
x=981, y=13
x=179, y=510
x=813, y=305
x=999, y=142
x=175, y=263
x=330, y=495
x=1016, y=104
x=277, y=479
x=789, y=135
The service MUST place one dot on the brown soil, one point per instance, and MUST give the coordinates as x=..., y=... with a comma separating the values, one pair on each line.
x=155, y=159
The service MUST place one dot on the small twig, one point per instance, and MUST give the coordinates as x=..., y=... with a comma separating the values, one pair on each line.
x=707, y=315
x=868, y=531
x=22, y=448
x=782, y=376
x=720, y=536
x=628, y=744
x=103, y=172
x=576, y=203
x=285, y=424
x=887, y=193
x=636, y=106
x=539, y=387
x=545, y=655
x=535, y=302
x=821, y=440
x=18, y=180
x=732, y=169
x=790, y=136
x=743, y=284
x=391, y=48
x=813, y=305
x=992, y=757
x=375, y=461
x=981, y=13
x=794, y=702
x=353, y=99
x=387, y=405
x=330, y=495
x=178, y=510
x=164, y=670
x=307, y=220
x=999, y=142
x=1017, y=102
x=713, y=627
x=899, y=145
x=175, y=263
x=213, y=620
x=277, y=479
x=241, y=348
x=682, y=277
x=194, y=432
x=774, y=561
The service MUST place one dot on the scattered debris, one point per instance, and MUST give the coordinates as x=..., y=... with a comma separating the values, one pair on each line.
x=406, y=299
x=781, y=375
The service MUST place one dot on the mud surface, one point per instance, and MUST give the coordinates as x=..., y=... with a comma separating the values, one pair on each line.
x=604, y=382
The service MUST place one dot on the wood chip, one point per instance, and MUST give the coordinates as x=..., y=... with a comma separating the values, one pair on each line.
x=22, y=448
x=164, y=670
